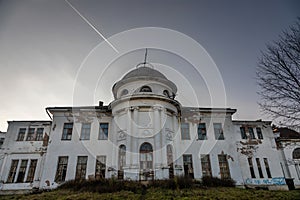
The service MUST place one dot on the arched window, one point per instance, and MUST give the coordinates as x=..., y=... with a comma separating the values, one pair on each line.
x=166, y=93
x=170, y=160
x=296, y=153
x=122, y=161
x=146, y=161
x=124, y=92
x=145, y=88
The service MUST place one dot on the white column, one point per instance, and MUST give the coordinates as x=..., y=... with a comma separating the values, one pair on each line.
x=135, y=133
x=128, y=139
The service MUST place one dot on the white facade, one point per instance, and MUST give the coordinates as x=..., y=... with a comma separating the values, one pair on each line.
x=143, y=134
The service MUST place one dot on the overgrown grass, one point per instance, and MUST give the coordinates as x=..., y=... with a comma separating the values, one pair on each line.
x=177, y=188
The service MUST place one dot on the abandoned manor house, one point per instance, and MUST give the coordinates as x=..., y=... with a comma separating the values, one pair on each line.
x=145, y=134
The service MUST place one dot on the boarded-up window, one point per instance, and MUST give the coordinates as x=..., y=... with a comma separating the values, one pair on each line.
x=188, y=166
x=100, y=167
x=61, y=171
x=224, y=167
x=81, y=167
x=205, y=164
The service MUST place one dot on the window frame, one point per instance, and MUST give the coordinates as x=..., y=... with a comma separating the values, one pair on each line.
x=103, y=131
x=224, y=166
x=219, y=132
x=81, y=167
x=206, y=165
x=62, y=169
x=67, y=131
x=85, y=131
x=185, y=131
x=21, y=135
x=202, y=132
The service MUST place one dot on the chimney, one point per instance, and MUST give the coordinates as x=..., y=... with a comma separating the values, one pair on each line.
x=100, y=103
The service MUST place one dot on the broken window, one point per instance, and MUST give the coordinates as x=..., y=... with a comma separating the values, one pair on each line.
x=251, y=133
x=259, y=168
x=22, y=171
x=243, y=133
x=81, y=167
x=267, y=168
x=224, y=167
x=100, y=167
x=205, y=164
x=219, y=135
x=251, y=167
x=12, y=171
x=31, y=171
x=85, y=131
x=21, y=134
x=202, y=131
x=188, y=166
x=259, y=133
x=67, y=131
x=185, y=131
x=39, y=134
x=103, y=131
x=61, y=171
x=30, y=135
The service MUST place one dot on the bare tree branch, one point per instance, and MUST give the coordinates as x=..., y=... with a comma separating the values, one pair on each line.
x=278, y=76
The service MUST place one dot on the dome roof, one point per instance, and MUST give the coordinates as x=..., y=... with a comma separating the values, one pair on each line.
x=144, y=71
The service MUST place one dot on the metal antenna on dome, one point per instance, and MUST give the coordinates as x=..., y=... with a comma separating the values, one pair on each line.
x=145, y=60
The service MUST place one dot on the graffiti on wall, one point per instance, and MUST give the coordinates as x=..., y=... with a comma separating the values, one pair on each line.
x=269, y=181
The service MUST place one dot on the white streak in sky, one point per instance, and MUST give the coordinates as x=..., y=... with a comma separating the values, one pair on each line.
x=91, y=25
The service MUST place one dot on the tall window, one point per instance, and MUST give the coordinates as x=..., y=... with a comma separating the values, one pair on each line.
x=202, y=131
x=170, y=160
x=21, y=134
x=30, y=135
x=12, y=171
x=297, y=167
x=61, y=171
x=81, y=167
x=100, y=167
x=219, y=135
x=85, y=131
x=146, y=161
x=259, y=133
x=296, y=153
x=67, y=131
x=185, y=131
x=259, y=168
x=188, y=166
x=39, y=134
x=103, y=131
x=251, y=167
x=22, y=171
x=243, y=133
x=31, y=171
x=205, y=164
x=267, y=168
x=122, y=161
x=251, y=133
x=224, y=167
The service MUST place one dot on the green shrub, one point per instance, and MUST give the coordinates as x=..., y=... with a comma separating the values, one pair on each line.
x=217, y=182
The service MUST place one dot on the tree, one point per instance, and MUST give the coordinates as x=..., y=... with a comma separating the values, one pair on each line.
x=278, y=76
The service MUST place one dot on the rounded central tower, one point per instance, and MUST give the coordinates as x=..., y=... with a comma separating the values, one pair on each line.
x=146, y=120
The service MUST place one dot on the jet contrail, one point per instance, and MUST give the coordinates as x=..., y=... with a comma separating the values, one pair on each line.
x=91, y=25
